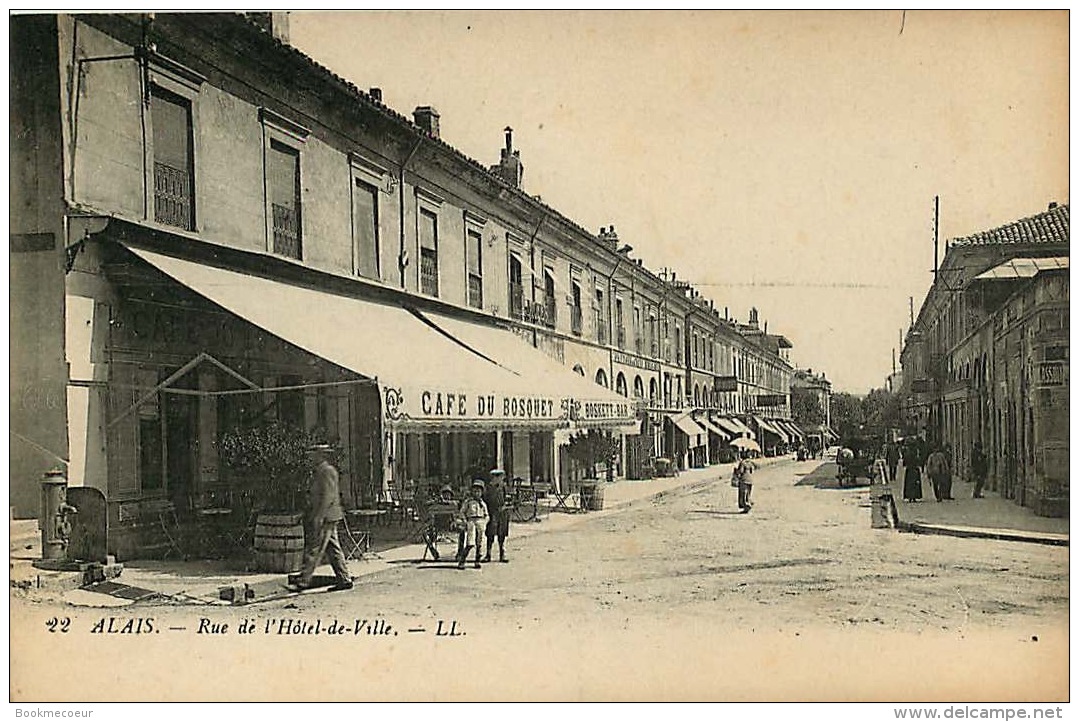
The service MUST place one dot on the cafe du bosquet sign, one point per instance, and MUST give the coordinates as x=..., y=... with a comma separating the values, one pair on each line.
x=422, y=405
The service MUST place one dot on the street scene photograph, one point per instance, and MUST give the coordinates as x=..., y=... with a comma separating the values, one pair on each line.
x=540, y=356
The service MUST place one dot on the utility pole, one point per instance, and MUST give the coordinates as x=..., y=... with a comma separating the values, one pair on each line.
x=936, y=235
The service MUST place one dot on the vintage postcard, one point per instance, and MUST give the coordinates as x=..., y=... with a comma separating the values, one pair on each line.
x=701, y=356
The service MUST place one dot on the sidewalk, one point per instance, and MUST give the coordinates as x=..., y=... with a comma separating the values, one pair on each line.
x=198, y=581
x=990, y=517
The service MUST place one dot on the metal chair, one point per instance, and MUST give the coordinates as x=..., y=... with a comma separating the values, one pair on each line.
x=355, y=542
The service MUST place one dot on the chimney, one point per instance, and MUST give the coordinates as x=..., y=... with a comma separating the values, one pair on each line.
x=753, y=317
x=510, y=168
x=376, y=94
x=275, y=24
x=427, y=118
x=765, y=328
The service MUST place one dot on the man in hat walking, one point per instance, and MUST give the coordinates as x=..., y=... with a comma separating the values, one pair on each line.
x=324, y=513
x=498, y=526
x=474, y=514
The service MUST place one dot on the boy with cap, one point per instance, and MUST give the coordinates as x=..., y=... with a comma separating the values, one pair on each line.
x=474, y=513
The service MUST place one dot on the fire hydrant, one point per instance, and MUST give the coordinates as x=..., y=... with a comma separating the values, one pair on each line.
x=54, y=522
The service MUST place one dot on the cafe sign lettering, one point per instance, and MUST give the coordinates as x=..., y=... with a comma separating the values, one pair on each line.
x=432, y=405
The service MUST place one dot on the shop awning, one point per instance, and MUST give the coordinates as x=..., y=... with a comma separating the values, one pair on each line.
x=791, y=429
x=591, y=405
x=689, y=427
x=712, y=428
x=736, y=425
x=428, y=379
x=766, y=426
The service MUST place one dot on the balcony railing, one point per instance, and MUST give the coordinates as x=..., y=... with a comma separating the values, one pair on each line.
x=517, y=300
x=429, y=271
x=172, y=196
x=475, y=291
x=550, y=315
x=286, y=231
x=575, y=320
x=600, y=323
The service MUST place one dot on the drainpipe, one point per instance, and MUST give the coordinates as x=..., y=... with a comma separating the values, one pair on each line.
x=402, y=257
x=532, y=271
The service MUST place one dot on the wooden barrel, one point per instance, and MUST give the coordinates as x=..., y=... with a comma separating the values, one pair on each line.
x=279, y=543
x=591, y=495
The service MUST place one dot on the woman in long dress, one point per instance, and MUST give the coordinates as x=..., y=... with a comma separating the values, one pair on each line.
x=912, y=474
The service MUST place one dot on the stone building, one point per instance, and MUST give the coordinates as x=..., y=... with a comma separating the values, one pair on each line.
x=211, y=231
x=987, y=358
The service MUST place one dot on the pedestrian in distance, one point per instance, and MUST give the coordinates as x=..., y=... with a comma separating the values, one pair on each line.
x=473, y=512
x=912, y=473
x=324, y=513
x=891, y=456
x=979, y=466
x=742, y=477
x=936, y=466
x=498, y=526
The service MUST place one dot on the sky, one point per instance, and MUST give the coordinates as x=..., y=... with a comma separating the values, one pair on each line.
x=783, y=160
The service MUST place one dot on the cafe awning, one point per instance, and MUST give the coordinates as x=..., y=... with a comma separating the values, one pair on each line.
x=428, y=378
x=591, y=405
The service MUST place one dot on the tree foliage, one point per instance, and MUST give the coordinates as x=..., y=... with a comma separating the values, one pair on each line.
x=270, y=462
x=805, y=408
x=848, y=416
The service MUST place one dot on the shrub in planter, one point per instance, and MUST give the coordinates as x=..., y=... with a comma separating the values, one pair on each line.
x=269, y=466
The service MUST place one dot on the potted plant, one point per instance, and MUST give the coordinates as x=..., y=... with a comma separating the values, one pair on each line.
x=268, y=463
x=588, y=449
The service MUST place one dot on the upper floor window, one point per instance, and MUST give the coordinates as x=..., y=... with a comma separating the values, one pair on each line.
x=619, y=324
x=678, y=344
x=600, y=318
x=283, y=188
x=517, y=289
x=550, y=308
x=428, y=252
x=283, y=140
x=174, y=167
x=638, y=341
x=365, y=236
x=474, y=258
x=575, y=309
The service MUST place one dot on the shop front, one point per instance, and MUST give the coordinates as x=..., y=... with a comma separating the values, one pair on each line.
x=406, y=396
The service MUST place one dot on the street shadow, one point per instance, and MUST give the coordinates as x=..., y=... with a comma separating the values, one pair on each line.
x=713, y=512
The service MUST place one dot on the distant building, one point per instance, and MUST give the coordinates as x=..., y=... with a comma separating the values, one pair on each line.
x=987, y=358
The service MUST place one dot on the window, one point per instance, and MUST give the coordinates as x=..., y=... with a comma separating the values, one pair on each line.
x=638, y=342
x=428, y=252
x=474, y=254
x=653, y=335
x=575, y=309
x=619, y=324
x=678, y=345
x=517, y=289
x=620, y=384
x=174, y=187
x=601, y=378
x=600, y=318
x=283, y=188
x=550, y=308
x=365, y=229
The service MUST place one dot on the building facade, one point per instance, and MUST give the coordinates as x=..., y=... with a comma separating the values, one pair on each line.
x=211, y=231
x=986, y=360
